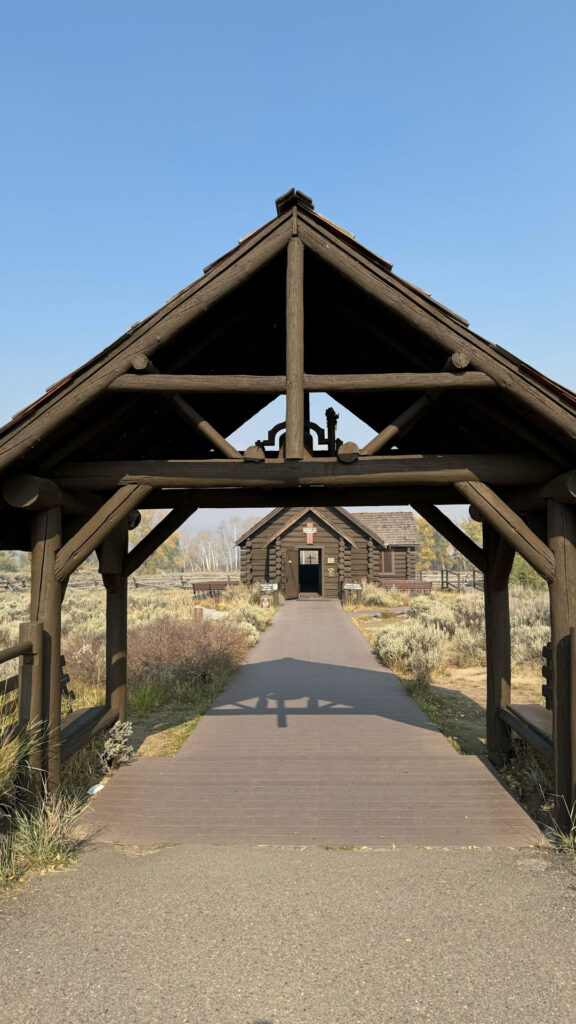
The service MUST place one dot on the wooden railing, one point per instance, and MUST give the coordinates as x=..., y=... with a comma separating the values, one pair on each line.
x=21, y=693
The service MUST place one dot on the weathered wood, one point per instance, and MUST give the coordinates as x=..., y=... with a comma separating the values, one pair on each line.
x=437, y=324
x=157, y=536
x=380, y=469
x=112, y=562
x=82, y=725
x=36, y=493
x=524, y=726
x=91, y=535
x=498, y=558
x=187, y=412
x=263, y=497
x=562, y=489
x=149, y=335
x=411, y=416
x=510, y=526
x=562, y=541
x=30, y=675
x=396, y=381
x=348, y=452
x=199, y=383
x=295, y=350
x=399, y=425
x=46, y=607
x=452, y=533
x=223, y=383
x=254, y=454
x=8, y=653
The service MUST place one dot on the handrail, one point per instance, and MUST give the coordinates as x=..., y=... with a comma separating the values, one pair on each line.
x=16, y=651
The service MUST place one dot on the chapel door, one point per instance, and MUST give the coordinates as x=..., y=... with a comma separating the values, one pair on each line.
x=292, y=588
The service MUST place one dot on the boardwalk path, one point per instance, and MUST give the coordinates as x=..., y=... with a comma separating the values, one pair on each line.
x=312, y=742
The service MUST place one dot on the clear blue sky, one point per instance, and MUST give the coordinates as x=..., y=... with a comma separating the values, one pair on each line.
x=141, y=140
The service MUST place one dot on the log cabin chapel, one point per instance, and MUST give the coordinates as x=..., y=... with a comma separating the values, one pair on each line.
x=315, y=551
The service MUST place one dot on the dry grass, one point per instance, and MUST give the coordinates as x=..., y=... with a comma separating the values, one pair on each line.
x=425, y=648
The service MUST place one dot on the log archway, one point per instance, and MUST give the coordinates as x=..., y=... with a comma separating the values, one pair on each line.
x=298, y=307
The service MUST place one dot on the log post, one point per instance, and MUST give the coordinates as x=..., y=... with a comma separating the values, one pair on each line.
x=46, y=607
x=499, y=557
x=295, y=350
x=562, y=541
x=112, y=558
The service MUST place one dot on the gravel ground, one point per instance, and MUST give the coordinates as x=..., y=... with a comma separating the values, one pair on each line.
x=275, y=935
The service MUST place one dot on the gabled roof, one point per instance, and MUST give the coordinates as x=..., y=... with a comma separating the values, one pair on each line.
x=360, y=318
x=333, y=246
x=396, y=529
x=331, y=522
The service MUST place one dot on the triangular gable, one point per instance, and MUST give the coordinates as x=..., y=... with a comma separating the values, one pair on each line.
x=551, y=404
x=302, y=513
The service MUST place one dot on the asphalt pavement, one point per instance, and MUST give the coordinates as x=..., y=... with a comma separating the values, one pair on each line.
x=237, y=934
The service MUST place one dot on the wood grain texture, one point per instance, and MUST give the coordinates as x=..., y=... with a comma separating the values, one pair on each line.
x=510, y=526
x=92, y=533
x=436, y=324
x=562, y=541
x=294, y=444
x=312, y=742
x=499, y=560
x=378, y=469
x=46, y=607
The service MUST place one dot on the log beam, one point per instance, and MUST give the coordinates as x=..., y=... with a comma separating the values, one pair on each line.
x=111, y=559
x=452, y=533
x=93, y=533
x=436, y=323
x=299, y=497
x=562, y=541
x=430, y=470
x=562, y=489
x=187, y=412
x=295, y=350
x=499, y=557
x=157, y=536
x=36, y=494
x=46, y=607
x=223, y=383
x=186, y=307
x=410, y=417
x=510, y=526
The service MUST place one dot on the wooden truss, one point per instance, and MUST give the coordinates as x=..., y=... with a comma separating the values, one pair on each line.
x=72, y=494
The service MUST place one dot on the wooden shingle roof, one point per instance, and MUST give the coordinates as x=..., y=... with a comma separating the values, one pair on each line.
x=396, y=529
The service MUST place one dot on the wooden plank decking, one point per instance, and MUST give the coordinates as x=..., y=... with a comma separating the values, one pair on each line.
x=312, y=742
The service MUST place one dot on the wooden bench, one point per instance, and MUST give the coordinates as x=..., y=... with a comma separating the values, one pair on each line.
x=212, y=588
x=82, y=725
x=533, y=723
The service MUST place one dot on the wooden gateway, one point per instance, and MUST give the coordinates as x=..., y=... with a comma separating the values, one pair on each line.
x=298, y=307
x=318, y=550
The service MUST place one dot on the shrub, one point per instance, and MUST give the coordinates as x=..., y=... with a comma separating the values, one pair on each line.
x=172, y=658
x=468, y=647
x=116, y=749
x=378, y=597
x=251, y=613
x=414, y=648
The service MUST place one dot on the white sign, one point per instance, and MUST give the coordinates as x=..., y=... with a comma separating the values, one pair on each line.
x=268, y=586
x=352, y=586
x=309, y=529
